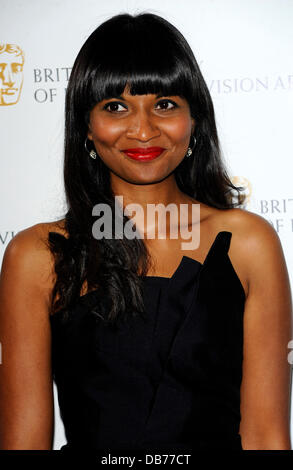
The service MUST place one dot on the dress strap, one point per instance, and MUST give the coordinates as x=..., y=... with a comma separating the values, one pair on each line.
x=224, y=239
x=219, y=247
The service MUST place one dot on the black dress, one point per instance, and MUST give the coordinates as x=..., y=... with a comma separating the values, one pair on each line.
x=170, y=381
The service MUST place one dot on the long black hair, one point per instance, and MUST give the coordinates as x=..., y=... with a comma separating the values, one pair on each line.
x=150, y=55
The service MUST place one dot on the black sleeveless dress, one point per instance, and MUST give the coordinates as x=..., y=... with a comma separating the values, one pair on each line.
x=170, y=381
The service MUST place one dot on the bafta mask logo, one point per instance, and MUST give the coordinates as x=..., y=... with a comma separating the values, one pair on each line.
x=245, y=183
x=11, y=73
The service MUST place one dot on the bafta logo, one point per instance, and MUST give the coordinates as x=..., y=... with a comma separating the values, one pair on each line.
x=245, y=183
x=11, y=73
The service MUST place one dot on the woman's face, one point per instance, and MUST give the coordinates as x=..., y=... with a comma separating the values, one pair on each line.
x=139, y=122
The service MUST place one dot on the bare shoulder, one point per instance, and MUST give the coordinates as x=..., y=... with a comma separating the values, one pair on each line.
x=28, y=254
x=255, y=246
x=250, y=231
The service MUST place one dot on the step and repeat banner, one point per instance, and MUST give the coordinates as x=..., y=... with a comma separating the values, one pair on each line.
x=244, y=49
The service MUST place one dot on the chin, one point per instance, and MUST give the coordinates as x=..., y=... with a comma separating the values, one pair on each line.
x=143, y=181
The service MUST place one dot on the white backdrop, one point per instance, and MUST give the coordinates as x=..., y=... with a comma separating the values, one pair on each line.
x=244, y=49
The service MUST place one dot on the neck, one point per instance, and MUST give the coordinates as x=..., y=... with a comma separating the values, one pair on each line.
x=163, y=192
x=144, y=195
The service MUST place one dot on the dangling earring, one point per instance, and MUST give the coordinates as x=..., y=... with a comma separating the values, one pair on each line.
x=190, y=150
x=91, y=153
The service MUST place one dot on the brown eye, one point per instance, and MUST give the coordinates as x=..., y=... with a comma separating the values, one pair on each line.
x=113, y=106
x=165, y=104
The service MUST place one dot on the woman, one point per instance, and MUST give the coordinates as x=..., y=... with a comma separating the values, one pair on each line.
x=151, y=345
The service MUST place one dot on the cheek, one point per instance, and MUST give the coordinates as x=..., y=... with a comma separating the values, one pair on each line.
x=106, y=132
x=179, y=129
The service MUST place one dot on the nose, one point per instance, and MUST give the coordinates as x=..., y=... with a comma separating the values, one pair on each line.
x=7, y=76
x=142, y=126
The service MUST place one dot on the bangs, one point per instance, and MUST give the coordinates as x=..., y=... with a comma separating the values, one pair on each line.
x=141, y=81
x=148, y=58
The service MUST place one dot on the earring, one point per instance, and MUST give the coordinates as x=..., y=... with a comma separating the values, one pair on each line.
x=91, y=153
x=190, y=150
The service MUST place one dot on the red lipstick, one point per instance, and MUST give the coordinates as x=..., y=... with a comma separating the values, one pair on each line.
x=144, y=154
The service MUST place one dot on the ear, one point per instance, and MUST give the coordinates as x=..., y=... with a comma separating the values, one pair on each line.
x=90, y=134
